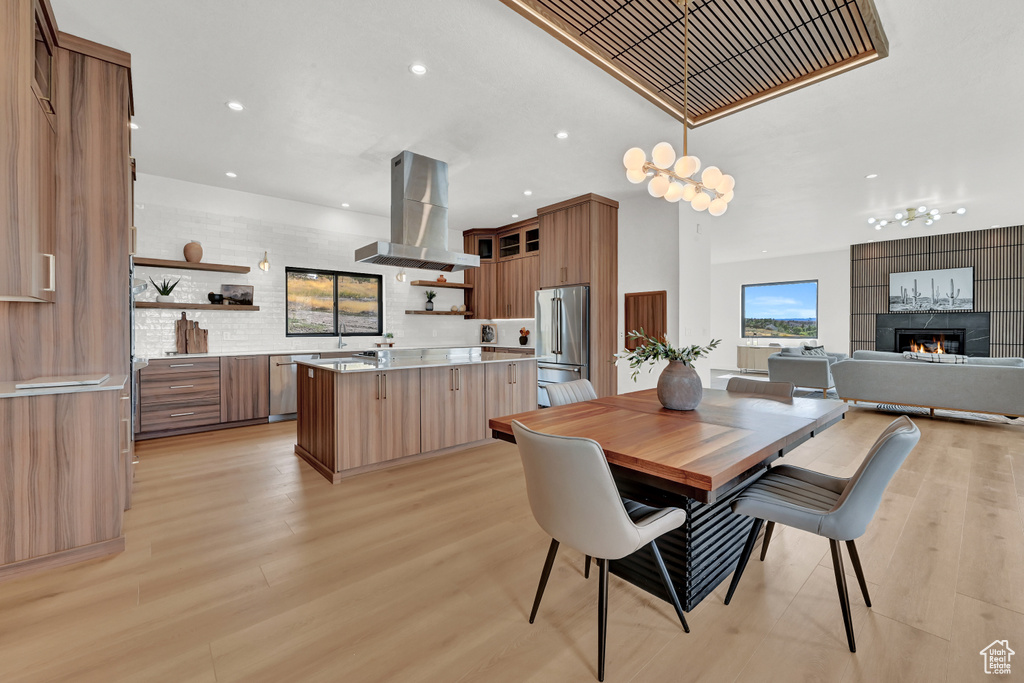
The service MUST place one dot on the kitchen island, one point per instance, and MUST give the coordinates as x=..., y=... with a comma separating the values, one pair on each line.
x=360, y=414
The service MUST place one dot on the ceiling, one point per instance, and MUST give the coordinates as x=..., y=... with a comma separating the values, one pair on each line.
x=740, y=52
x=329, y=100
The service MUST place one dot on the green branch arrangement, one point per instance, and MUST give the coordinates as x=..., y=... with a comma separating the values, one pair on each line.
x=651, y=350
x=165, y=287
x=430, y=294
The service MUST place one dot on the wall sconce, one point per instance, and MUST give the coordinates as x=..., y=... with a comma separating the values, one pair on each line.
x=401, y=276
x=264, y=264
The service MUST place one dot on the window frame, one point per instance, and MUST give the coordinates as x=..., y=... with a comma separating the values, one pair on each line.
x=335, y=274
x=743, y=307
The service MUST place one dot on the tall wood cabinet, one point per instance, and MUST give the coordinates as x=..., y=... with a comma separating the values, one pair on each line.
x=65, y=217
x=580, y=246
x=509, y=272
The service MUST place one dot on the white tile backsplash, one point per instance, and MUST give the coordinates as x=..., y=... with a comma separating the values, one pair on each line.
x=241, y=240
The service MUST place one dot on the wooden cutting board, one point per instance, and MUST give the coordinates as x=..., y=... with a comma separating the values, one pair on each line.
x=189, y=337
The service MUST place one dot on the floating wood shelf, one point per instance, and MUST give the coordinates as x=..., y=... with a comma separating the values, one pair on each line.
x=186, y=265
x=181, y=306
x=448, y=285
x=440, y=312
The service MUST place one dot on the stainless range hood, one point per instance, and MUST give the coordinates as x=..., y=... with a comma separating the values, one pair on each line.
x=419, y=219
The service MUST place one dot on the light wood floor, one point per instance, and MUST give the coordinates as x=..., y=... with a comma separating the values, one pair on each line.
x=242, y=564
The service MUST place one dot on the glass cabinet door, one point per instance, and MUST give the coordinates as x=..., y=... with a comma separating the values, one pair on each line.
x=485, y=248
x=509, y=246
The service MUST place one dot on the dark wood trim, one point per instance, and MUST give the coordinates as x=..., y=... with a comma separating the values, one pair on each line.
x=145, y=436
x=61, y=558
x=578, y=200
x=93, y=49
x=324, y=470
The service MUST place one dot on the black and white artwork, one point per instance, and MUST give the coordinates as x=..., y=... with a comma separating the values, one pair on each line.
x=488, y=333
x=949, y=289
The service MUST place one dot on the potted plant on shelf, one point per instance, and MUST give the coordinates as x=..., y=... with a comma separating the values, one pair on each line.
x=524, y=336
x=679, y=386
x=389, y=340
x=430, y=299
x=164, y=290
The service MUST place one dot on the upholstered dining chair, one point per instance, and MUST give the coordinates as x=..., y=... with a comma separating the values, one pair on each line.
x=576, y=391
x=838, y=509
x=743, y=385
x=574, y=499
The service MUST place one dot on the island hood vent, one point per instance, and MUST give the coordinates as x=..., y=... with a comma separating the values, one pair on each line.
x=419, y=219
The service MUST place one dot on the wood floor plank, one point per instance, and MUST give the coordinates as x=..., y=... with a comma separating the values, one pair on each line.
x=243, y=564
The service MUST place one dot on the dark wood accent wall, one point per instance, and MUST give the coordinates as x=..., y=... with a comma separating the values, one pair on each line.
x=647, y=311
x=997, y=256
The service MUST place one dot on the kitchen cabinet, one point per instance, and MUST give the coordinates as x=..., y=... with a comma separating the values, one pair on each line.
x=179, y=394
x=400, y=403
x=517, y=280
x=127, y=445
x=565, y=259
x=482, y=300
x=452, y=411
x=28, y=150
x=244, y=388
x=511, y=388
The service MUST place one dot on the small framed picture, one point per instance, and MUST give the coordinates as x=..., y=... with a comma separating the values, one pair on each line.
x=488, y=333
x=238, y=295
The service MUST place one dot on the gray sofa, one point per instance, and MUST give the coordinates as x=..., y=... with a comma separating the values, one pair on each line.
x=790, y=365
x=982, y=385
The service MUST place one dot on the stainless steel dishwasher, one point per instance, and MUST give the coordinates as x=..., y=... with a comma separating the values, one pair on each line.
x=282, y=385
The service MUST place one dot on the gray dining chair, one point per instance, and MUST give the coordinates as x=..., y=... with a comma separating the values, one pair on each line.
x=838, y=509
x=743, y=385
x=574, y=499
x=576, y=391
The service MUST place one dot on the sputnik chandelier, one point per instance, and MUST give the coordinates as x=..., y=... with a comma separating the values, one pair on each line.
x=921, y=213
x=713, y=191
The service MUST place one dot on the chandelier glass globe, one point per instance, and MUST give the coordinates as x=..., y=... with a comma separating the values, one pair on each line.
x=658, y=186
x=663, y=155
x=700, y=202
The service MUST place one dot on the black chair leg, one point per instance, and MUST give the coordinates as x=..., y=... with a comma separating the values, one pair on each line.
x=744, y=557
x=844, y=596
x=855, y=559
x=586, y=568
x=552, y=550
x=602, y=616
x=768, y=529
x=668, y=586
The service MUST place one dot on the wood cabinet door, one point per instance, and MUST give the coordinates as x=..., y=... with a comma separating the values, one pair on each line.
x=565, y=246
x=510, y=286
x=524, y=386
x=244, y=388
x=470, y=387
x=400, y=411
x=498, y=399
x=45, y=144
x=482, y=298
x=438, y=406
x=359, y=416
x=528, y=285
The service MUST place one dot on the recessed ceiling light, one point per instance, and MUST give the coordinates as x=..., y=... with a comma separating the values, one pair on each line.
x=133, y=125
x=561, y=135
x=418, y=69
x=230, y=174
x=235, y=106
x=515, y=215
x=527, y=192
x=764, y=251
x=996, y=225
x=961, y=211
x=344, y=206
x=869, y=176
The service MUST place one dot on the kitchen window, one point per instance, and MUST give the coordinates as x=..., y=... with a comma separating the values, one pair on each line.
x=320, y=303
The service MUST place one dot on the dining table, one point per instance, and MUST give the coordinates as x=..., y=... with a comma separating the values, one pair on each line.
x=696, y=460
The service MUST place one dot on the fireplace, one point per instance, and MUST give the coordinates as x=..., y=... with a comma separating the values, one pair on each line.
x=967, y=332
x=931, y=340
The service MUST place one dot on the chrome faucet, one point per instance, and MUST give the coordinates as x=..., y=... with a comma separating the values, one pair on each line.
x=341, y=344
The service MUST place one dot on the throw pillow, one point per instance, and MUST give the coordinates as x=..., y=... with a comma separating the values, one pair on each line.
x=791, y=351
x=814, y=351
x=936, y=357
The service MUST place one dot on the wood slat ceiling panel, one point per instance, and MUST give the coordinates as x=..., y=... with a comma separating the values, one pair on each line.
x=741, y=51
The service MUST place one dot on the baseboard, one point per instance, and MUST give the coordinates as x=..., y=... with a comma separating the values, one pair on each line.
x=145, y=436
x=61, y=558
x=337, y=477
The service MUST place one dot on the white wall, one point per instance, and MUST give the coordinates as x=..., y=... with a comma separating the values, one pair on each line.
x=695, y=283
x=832, y=271
x=648, y=261
x=236, y=228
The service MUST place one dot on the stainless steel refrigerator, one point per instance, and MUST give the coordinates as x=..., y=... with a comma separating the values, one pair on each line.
x=563, y=336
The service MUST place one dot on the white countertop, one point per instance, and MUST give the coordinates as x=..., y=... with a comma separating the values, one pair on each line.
x=351, y=349
x=113, y=383
x=343, y=365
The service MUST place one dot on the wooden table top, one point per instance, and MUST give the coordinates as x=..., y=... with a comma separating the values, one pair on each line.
x=728, y=434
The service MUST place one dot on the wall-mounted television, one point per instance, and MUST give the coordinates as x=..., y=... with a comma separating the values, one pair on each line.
x=781, y=310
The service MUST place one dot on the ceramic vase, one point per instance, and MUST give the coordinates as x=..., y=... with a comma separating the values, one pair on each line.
x=430, y=305
x=679, y=387
x=169, y=299
x=193, y=252
x=523, y=340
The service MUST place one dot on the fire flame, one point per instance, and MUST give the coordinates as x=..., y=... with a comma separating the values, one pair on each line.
x=922, y=348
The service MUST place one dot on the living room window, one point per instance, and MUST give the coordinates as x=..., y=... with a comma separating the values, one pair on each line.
x=781, y=310
x=320, y=303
